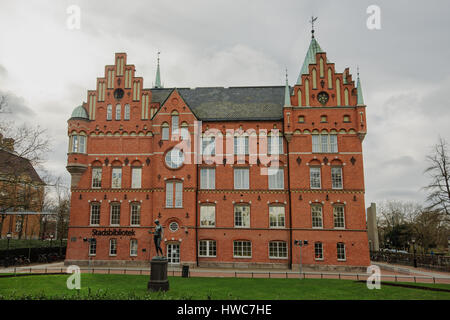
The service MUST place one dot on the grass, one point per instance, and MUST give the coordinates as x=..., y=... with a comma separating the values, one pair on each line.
x=123, y=287
x=29, y=243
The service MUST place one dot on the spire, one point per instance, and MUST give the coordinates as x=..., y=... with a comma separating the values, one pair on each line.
x=158, y=76
x=310, y=57
x=360, y=101
x=287, y=94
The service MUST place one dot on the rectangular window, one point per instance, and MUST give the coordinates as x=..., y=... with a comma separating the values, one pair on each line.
x=207, y=178
x=116, y=182
x=96, y=177
x=318, y=251
x=276, y=217
x=207, y=216
x=109, y=112
x=126, y=115
x=274, y=145
x=333, y=143
x=324, y=143
x=242, y=249
x=208, y=146
x=336, y=177
x=174, y=198
x=276, y=178
x=113, y=247
x=242, y=216
x=135, y=214
x=175, y=120
x=92, y=247
x=82, y=144
x=338, y=217
x=207, y=248
x=341, y=251
x=115, y=214
x=165, y=133
x=75, y=145
x=240, y=145
x=241, y=178
x=315, y=143
x=136, y=177
x=277, y=249
x=316, y=214
x=133, y=247
x=118, y=111
x=95, y=214
x=314, y=173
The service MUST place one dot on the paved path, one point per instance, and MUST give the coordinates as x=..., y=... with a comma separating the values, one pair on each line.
x=411, y=270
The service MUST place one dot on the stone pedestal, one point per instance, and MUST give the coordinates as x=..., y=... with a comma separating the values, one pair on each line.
x=158, y=275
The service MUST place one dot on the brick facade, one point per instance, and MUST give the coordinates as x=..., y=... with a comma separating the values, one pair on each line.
x=138, y=143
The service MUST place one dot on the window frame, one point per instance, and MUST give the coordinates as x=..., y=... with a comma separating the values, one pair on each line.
x=277, y=226
x=111, y=241
x=241, y=217
x=321, y=258
x=210, y=185
x=333, y=186
x=91, y=213
x=344, y=251
x=214, y=220
x=278, y=249
x=131, y=247
x=93, y=178
x=241, y=169
x=277, y=179
x=174, y=184
x=314, y=218
x=118, y=112
x=319, y=168
x=337, y=218
x=113, y=185
x=235, y=242
x=134, y=213
x=133, y=182
x=92, y=245
x=209, y=248
x=112, y=206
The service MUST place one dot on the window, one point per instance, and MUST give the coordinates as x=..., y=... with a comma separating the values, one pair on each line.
x=135, y=214
x=314, y=174
x=173, y=226
x=242, y=216
x=207, y=248
x=301, y=119
x=136, y=177
x=207, y=178
x=323, y=119
x=240, y=145
x=116, y=182
x=242, y=249
x=208, y=146
x=133, y=247
x=241, y=178
x=341, y=251
x=95, y=214
x=339, y=217
x=276, y=217
x=318, y=251
x=277, y=249
x=19, y=221
x=276, y=178
x=165, y=131
x=113, y=247
x=115, y=214
x=316, y=213
x=109, y=112
x=336, y=177
x=126, y=115
x=346, y=118
x=175, y=120
x=324, y=143
x=274, y=145
x=174, y=158
x=78, y=143
x=96, y=177
x=207, y=216
x=118, y=111
x=174, y=198
x=92, y=247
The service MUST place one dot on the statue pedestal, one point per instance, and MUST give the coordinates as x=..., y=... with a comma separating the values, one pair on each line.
x=158, y=275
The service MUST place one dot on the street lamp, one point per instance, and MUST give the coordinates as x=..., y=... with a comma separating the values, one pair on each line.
x=414, y=252
x=8, y=236
x=300, y=243
x=51, y=238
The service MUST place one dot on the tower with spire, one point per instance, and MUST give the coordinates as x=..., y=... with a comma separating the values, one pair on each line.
x=158, y=75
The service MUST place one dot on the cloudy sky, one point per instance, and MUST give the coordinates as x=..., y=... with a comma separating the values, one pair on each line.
x=47, y=68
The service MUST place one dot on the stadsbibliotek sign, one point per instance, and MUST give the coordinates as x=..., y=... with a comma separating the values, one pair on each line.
x=113, y=232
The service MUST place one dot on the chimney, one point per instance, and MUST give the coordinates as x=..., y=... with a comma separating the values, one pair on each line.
x=8, y=144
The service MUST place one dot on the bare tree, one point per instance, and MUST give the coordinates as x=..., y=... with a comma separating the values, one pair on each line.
x=3, y=103
x=439, y=172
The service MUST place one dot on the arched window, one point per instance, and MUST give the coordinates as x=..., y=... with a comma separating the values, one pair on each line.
x=346, y=97
x=330, y=79
x=118, y=111
x=338, y=92
x=175, y=122
x=78, y=143
x=321, y=71
x=126, y=115
x=109, y=112
x=165, y=131
x=299, y=94
x=95, y=214
x=115, y=214
x=314, y=79
x=306, y=92
x=135, y=214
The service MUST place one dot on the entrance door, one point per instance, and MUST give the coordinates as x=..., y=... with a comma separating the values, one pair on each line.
x=173, y=253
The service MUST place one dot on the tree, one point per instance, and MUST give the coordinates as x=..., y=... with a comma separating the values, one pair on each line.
x=439, y=172
x=430, y=229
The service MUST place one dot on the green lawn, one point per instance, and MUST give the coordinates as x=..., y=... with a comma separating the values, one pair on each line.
x=103, y=286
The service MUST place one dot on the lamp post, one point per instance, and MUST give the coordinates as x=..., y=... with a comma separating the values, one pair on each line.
x=51, y=238
x=300, y=244
x=414, y=252
x=8, y=236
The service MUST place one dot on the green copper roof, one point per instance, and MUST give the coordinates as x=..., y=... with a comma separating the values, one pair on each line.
x=309, y=59
x=287, y=95
x=79, y=112
x=359, y=93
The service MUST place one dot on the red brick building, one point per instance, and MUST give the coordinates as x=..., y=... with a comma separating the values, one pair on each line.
x=126, y=171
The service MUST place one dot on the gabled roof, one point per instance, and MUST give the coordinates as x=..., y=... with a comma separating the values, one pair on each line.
x=233, y=103
x=14, y=165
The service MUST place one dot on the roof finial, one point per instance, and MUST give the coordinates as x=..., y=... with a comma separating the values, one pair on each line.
x=286, y=76
x=313, y=19
x=158, y=74
x=357, y=71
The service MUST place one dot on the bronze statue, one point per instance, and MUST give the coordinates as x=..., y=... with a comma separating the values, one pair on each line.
x=157, y=235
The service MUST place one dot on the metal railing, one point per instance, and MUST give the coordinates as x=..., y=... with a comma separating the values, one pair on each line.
x=429, y=261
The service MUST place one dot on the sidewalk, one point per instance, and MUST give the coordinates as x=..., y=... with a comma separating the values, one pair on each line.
x=411, y=270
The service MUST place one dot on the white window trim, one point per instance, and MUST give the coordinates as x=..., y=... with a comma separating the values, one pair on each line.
x=112, y=254
x=318, y=259
x=207, y=249
x=278, y=258
x=137, y=250
x=243, y=257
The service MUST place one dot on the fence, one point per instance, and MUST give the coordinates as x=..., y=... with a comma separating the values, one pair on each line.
x=22, y=271
x=430, y=261
x=33, y=254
